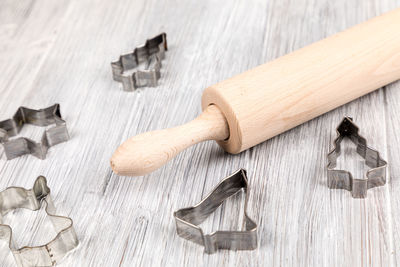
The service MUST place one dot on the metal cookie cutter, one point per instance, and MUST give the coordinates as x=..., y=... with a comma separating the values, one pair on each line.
x=340, y=179
x=46, y=255
x=188, y=219
x=152, y=52
x=42, y=117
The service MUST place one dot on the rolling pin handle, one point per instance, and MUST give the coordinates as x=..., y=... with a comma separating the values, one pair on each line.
x=147, y=152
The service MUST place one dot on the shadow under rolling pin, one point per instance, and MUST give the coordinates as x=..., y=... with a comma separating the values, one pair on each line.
x=256, y=105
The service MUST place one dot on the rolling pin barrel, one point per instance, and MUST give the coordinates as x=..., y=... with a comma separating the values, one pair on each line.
x=277, y=96
x=256, y=105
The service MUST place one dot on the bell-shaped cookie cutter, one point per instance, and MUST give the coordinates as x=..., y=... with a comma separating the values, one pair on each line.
x=41, y=117
x=152, y=52
x=188, y=219
x=341, y=179
x=46, y=255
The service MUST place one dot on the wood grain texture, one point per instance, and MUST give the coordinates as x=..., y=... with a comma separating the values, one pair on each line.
x=60, y=51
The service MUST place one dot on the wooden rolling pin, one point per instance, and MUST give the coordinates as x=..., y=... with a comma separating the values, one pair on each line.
x=256, y=105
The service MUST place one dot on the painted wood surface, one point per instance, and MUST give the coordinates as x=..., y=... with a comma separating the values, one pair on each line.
x=60, y=51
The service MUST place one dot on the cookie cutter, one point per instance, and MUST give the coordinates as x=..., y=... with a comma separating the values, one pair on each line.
x=46, y=255
x=188, y=219
x=341, y=179
x=152, y=52
x=41, y=117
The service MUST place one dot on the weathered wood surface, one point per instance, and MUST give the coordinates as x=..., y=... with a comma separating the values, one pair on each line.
x=60, y=51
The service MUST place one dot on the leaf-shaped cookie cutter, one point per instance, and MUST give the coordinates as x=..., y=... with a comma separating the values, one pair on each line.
x=152, y=52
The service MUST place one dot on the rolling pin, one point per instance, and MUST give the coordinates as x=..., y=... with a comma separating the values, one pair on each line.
x=258, y=104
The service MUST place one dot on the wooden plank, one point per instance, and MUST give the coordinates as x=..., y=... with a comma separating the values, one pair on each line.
x=122, y=221
x=27, y=32
x=392, y=127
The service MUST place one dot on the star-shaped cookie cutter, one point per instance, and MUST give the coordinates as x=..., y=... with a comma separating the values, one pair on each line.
x=341, y=179
x=188, y=219
x=152, y=52
x=42, y=117
x=46, y=255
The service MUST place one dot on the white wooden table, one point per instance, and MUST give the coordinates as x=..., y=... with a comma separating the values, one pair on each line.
x=60, y=52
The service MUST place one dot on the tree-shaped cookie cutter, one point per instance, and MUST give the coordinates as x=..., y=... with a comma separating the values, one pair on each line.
x=41, y=117
x=46, y=255
x=341, y=179
x=152, y=52
x=188, y=219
